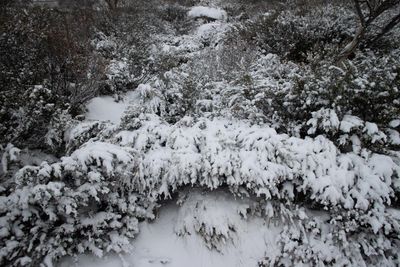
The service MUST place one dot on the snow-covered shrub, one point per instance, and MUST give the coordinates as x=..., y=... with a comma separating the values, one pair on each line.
x=215, y=219
x=49, y=74
x=198, y=148
x=228, y=61
x=174, y=13
x=105, y=45
x=336, y=240
x=81, y=133
x=70, y=207
x=252, y=93
x=155, y=159
x=172, y=97
x=309, y=100
x=118, y=76
x=320, y=100
x=9, y=154
x=126, y=58
x=262, y=112
x=295, y=32
x=31, y=122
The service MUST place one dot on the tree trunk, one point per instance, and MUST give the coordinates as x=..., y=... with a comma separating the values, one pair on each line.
x=352, y=46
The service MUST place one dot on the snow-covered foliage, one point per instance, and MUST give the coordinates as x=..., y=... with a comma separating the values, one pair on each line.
x=9, y=154
x=253, y=108
x=70, y=207
x=156, y=159
x=215, y=219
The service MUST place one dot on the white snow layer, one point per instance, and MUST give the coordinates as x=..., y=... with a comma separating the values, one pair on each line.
x=173, y=239
x=105, y=108
x=209, y=12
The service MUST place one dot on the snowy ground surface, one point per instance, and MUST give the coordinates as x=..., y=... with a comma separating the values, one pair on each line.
x=170, y=240
x=105, y=108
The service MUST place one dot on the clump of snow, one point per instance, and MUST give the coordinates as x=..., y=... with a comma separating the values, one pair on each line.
x=372, y=130
x=394, y=137
x=350, y=122
x=208, y=12
x=394, y=123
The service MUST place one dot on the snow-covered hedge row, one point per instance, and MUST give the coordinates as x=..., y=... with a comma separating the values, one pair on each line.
x=92, y=199
x=295, y=99
x=220, y=152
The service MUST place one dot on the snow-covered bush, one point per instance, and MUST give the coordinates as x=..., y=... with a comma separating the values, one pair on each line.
x=215, y=219
x=154, y=159
x=338, y=240
x=313, y=100
x=295, y=32
x=9, y=156
x=320, y=100
x=70, y=207
x=43, y=70
x=255, y=108
x=32, y=122
x=174, y=13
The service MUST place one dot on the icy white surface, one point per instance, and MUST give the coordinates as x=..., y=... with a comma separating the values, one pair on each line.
x=209, y=12
x=105, y=108
x=159, y=244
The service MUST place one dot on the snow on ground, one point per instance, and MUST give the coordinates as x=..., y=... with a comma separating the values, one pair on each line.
x=105, y=108
x=172, y=240
x=209, y=12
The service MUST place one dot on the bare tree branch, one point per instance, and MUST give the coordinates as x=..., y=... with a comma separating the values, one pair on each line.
x=368, y=11
x=359, y=12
